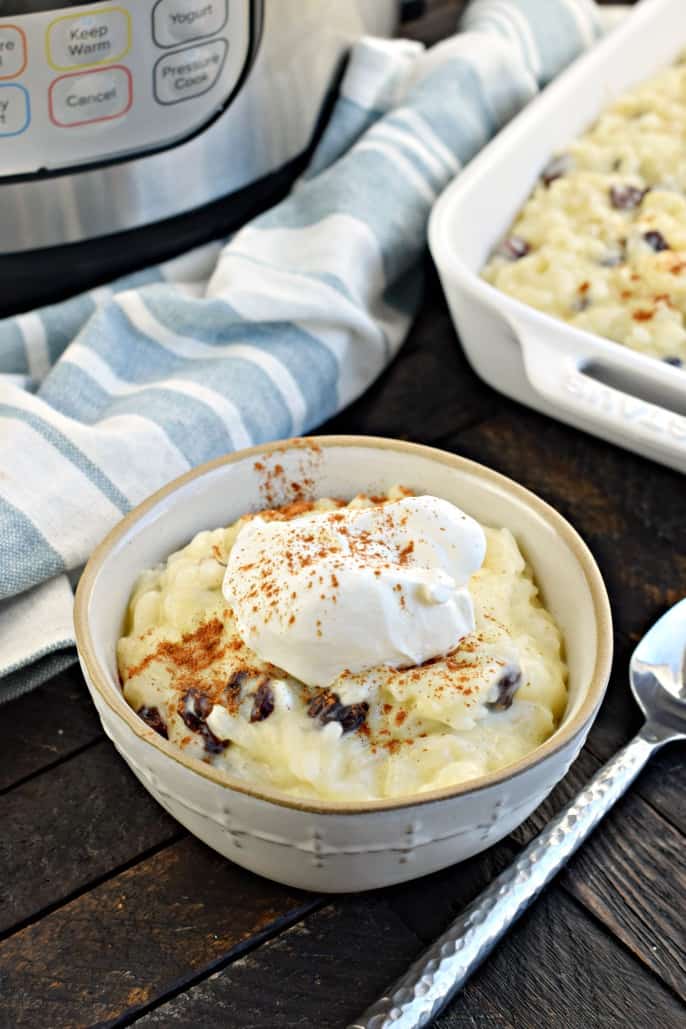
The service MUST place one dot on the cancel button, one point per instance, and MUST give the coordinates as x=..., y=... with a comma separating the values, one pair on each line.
x=189, y=72
x=90, y=97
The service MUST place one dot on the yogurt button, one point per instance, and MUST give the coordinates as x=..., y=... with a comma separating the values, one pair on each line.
x=180, y=21
x=12, y=51
x=94, y=96
x=190, y=72
x=15, y=110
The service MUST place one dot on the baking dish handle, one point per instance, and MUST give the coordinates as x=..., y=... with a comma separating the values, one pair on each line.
x=555, y=370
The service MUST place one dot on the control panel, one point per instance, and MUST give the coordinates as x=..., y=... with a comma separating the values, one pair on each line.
x=107, y=80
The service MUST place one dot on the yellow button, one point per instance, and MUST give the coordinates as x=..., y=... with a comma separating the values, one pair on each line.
x=99, y=36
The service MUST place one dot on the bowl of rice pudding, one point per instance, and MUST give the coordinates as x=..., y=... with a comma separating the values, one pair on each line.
x=345, y=662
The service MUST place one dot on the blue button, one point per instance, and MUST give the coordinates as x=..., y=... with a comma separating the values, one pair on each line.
x=15, y=110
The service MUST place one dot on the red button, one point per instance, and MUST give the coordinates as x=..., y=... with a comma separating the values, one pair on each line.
x=83, y=98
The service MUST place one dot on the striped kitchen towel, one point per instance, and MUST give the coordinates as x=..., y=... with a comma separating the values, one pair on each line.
x=106, y=397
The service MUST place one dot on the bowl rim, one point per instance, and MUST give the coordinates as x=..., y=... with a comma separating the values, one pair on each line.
x=98, y=680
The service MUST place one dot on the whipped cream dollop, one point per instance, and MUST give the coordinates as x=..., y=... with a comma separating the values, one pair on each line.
x=355, y=588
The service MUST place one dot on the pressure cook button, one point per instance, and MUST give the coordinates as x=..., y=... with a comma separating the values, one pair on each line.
x=15, y=110
x=180, y=21
x=82, y=40
x=12, y=51
x=90, y=97
x=190, y=72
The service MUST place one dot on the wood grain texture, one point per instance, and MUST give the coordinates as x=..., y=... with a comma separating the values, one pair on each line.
x=631, y=874
x=558, y=968
x=324, y=972
x=46, y=726
x=321, y=973
x=140, y=935
x=429, y=904
x=124, y=932
x=67, y=827
x=662, y=784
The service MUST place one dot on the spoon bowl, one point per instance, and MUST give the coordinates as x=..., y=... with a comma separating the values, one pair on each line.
x=657, y=672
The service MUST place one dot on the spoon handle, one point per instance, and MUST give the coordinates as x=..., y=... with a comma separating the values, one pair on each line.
x=418, y=996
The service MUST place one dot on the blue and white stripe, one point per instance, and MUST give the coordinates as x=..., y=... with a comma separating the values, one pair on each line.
x=109, y=395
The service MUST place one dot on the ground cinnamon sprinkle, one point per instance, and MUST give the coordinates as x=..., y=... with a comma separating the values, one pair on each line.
x=643, y=316
x=405, y=552
x=194, y=652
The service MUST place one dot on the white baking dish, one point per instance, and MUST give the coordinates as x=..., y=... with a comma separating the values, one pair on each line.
x=593, y=383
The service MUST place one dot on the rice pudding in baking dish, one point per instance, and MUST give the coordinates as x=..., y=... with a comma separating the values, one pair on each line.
x=346, y=651
x=601, y=243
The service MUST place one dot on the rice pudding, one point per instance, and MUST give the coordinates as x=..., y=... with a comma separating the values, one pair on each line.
x=338, y=650
x=601, y=243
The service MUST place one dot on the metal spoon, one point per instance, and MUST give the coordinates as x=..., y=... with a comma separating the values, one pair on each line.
x=658, y=682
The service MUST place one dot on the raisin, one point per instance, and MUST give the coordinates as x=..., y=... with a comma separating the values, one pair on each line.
x=514, y=248
x=656, y=241
x=263, y=705
x=626, y=198
x=153, y=718
x=556, y=168
x=194, y=708
x=190, y=711
x=235, y=683
x=352, y=716
x=213, y=745
x=321, y=703
x=675, y=361
x=327, y=707
x=508, y=685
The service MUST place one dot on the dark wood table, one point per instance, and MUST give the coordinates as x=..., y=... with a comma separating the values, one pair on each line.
x=111, y=914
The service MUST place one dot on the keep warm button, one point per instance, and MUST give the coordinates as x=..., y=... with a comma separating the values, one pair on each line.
x=90, y=96
x=190, y=72
x=96, y=37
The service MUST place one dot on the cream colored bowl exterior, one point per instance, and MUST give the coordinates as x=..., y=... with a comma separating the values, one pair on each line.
x=357, y=846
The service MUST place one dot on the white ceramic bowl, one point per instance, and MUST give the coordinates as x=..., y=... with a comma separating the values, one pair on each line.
x=593, y=383
x=339, y=846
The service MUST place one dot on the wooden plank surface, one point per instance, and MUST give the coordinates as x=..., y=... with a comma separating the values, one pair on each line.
x=111, y=915
x=324, y=972
x=68, y=827
x=138, y=936
x=44, y=727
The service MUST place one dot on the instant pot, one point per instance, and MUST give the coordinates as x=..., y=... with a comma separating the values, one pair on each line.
x=131, y=130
